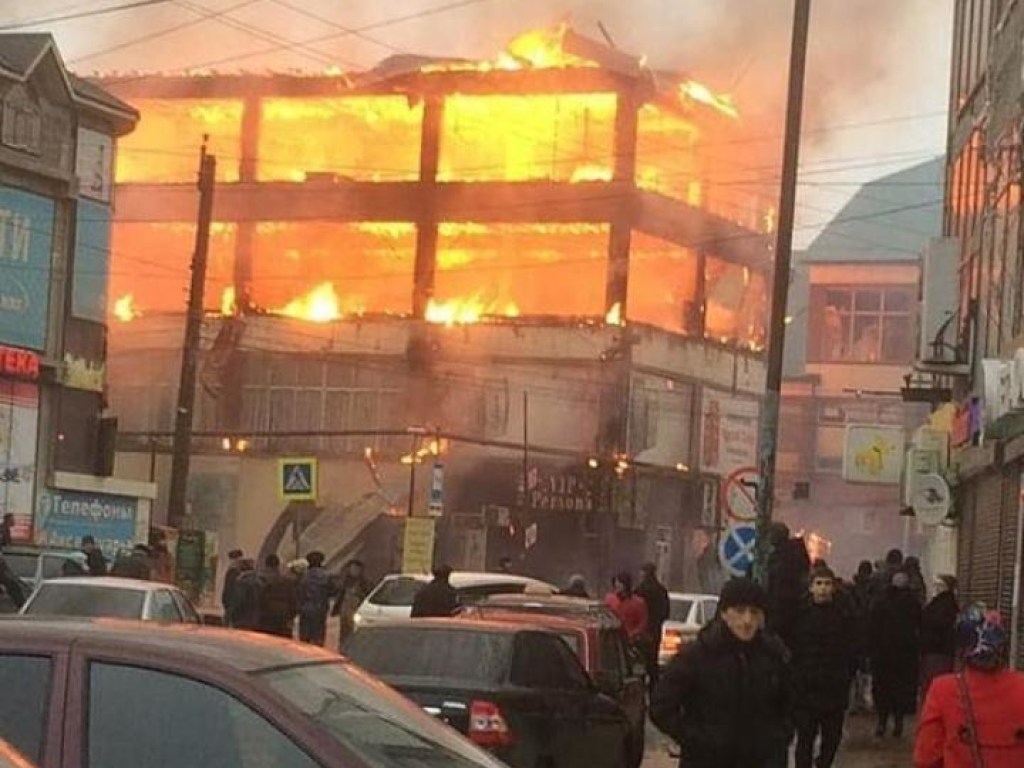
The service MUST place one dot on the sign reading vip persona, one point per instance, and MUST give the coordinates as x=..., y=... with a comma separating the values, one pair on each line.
x=26, y=250
x=66, y=516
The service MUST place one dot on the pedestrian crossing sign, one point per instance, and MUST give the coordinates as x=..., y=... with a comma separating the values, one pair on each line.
x=297, y=479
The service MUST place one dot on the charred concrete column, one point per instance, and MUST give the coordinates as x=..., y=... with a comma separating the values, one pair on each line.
x=232, y=360
x=624, y=181
x=426, y=223
x=248, y=173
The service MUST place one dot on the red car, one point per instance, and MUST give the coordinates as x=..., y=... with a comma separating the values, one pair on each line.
x=113, y=694
x=601, y=646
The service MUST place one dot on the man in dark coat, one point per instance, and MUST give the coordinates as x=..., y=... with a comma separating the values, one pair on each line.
x=861, y=610
x=11, y=584
x=894, y=638
x=727, y=697
x=823, y=653
x=227, y=595
x=438, y=598
x=278, y=600
x=787, y=569
x=6, y=530
x=94, y=559
x=248, y=596
x=653, y=593
x=938, y=633
x=315, y=591
x=135, y=565
x=352, y=591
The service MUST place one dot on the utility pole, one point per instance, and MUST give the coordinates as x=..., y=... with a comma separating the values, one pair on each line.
x=182, y=449
x=768, y=437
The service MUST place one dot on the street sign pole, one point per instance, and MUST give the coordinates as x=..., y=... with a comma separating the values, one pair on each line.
x=769, y=426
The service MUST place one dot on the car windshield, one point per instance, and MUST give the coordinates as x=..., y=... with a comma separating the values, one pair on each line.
x=86, y=600
x=22, y=564
x=381, y=727
x=449, y=654
x=396, y=592
x=679, y=610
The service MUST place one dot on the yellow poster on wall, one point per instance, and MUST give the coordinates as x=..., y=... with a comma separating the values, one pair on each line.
x=418, y=545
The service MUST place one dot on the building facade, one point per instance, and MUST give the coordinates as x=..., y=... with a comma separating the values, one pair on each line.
x=975, y=362
x=849, y=342
x=525, y=259
x=57, y=143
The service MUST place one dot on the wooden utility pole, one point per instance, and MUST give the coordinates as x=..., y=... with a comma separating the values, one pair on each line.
x=177, y=504
x=769, y=427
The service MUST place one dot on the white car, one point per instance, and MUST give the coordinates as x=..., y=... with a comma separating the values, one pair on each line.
x=688, y=613
x=392, y=597
x=111, y=597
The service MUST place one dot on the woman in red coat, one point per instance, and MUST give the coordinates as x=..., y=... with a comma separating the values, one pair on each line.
x=628, y=606
x=948, y=736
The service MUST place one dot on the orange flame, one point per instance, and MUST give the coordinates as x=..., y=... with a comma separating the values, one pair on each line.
x=228, y=302
x=320, y=305
x=467, y=311
x=537, y=49
x=125, y=309
x=691, y=90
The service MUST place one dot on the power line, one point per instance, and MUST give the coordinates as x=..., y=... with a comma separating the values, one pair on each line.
x=80, y=15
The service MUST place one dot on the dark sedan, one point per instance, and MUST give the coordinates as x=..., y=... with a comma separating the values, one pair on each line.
x=111, y=694
x=518, y=690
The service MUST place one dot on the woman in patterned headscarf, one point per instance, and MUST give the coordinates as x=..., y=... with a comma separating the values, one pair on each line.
x=974, y=718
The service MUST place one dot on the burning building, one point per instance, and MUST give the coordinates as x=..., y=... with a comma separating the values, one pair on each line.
x=545, y=259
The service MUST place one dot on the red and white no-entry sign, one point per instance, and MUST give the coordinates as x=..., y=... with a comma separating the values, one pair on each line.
x=739, y=491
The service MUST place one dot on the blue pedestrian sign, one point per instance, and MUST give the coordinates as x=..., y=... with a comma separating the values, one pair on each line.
x=736, y=548
x=297, y=479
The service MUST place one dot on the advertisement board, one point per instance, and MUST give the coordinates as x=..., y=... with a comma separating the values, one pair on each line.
x=728, y=432
x=66, y=516
x=26, y=253
x=19, y=424
x=873, y=454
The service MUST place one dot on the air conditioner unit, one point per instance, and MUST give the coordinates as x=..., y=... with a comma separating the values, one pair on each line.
x=938, y=328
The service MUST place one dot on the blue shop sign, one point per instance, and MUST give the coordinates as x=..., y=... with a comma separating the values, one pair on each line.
x=67, y=516
x=26, y=251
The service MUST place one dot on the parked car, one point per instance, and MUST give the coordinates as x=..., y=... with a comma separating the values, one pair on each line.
x=34, y=564
x=547, y=605
x=126, y=694
x=111, y=597
x=517, y=690
x=392, y=597
x=688, y=613
x=601, y=647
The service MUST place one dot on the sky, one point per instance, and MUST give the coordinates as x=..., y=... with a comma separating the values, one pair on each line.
x=877, y=79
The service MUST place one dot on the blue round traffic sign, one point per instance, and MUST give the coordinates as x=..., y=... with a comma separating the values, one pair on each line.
x=736, y=548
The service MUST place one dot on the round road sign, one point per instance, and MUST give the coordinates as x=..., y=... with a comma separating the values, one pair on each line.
x=739, y=491
x=930, y=498
x=736, y=548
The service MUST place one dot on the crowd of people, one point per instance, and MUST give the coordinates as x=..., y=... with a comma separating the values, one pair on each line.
x=270, y=598
x=792, y=657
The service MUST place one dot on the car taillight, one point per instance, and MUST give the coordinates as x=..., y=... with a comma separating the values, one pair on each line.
x=671, y=640
x=487, y=726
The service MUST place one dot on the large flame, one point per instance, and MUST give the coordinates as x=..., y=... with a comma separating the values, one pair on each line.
x=228, y=302
x=691, y=90
x=321, y=305
x=537, y=49
x=467, y=311
x=125, y=309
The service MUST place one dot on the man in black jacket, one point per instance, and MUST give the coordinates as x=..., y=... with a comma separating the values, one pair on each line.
x=655, y=595
x=438, y=598
x=727, y=697
x=823, y=664
x=94, y=558
x=227, y=596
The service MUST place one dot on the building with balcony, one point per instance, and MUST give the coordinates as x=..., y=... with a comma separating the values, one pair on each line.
x=534, y=259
